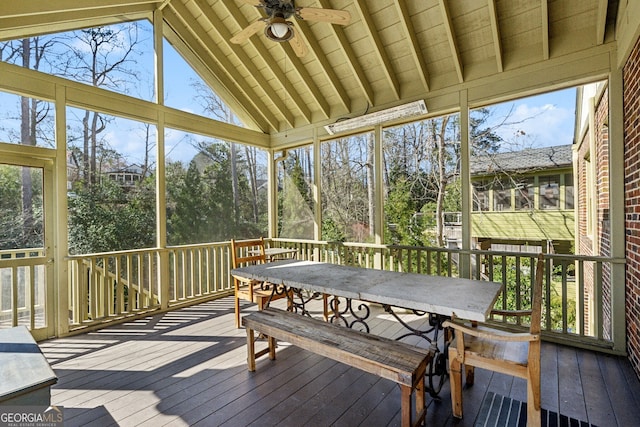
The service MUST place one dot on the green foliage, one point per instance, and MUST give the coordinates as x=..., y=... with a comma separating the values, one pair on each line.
x=201, y=203
x=106, y=217
x=331, y=232
x=403, y=226
x=518, y=291
x=295, y=197
x=20, y=226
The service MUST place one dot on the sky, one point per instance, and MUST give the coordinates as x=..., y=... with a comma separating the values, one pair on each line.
x=538, y=121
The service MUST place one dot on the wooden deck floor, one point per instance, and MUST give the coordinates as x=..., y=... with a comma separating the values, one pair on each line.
x=187, y=367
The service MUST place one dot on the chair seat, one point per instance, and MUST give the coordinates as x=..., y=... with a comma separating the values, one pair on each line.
x=258, y=293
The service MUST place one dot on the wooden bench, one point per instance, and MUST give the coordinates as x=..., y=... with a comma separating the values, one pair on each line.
x=25, y=375
x=393, y=360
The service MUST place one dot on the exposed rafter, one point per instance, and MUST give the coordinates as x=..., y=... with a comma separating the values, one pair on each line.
x=225, y=35
x=451, y=37
x=390, y=74
x=14, y=9
x=495, y=34
x=601, y=21
x=202, y=51
x=544, y=19
x=410, y=35
x=325, y=67
x=25, y=25
x=351, y=59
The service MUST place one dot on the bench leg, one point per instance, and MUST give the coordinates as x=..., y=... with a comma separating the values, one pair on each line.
x=272, y=348
x=421, y=409
x=406, y=405
x=251, y=350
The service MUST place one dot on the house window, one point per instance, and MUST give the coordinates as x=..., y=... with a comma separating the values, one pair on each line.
x=481, y=196
x=550, y=192
x=525, y=193
x=501, y=196
x=568, y=191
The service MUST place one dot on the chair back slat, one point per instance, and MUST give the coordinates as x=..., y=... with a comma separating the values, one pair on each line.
x=243, y=252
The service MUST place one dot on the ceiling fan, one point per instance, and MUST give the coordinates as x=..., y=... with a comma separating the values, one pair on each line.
x=278, y=29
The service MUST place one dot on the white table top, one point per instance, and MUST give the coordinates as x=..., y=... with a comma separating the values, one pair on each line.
x=272, y=252
x=279, y=251
x=467, y=299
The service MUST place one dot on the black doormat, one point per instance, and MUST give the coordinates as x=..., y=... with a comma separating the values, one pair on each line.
x=501, y=411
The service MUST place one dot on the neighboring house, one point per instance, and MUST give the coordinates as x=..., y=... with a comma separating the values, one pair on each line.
x=127, y=176
x=524, y=200
x=593, y=229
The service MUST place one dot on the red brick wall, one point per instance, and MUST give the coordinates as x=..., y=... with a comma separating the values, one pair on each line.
x=601, y=228
x=631, y=99
x=602, y=183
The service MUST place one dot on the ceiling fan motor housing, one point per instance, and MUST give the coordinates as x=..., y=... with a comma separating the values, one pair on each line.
x=284, y=9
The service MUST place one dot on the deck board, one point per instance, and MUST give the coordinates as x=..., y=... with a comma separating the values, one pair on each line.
x=188, y=367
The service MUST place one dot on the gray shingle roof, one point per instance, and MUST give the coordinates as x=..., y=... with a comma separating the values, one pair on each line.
x=530, y=159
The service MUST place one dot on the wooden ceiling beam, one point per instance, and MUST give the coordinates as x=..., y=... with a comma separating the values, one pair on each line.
x=601, y=21
x=451, y=37
x=495, y=34
x=373, y=34
x=225, y=36
x=410, y=34
x=327, y=70
x=34, y=25
x=351, y=60
x=197, y=50
x=544, y=18
x=14, y=9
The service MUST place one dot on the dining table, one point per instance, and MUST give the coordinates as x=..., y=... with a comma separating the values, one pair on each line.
x=349, y=288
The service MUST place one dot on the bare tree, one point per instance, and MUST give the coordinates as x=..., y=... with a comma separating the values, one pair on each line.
x=102, y=57
x=29, y=53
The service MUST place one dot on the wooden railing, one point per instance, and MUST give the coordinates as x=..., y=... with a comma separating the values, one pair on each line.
x=577, y=304
x=115, y=285
x=22, y=289
x=121, y=284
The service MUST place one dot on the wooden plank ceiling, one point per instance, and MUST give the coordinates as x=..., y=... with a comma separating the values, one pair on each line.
x=391, y=52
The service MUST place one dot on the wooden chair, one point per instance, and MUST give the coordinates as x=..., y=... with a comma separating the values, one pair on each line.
x=516, y=354
x=243, y=253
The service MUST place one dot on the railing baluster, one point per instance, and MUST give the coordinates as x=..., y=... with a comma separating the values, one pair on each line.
x=580, y=282
x=565, y=312
x=14, y=296
x=547, y=299
x=597, y=301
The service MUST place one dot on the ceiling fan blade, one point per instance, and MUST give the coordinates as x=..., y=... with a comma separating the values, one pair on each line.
x=340, y=17
x=298, y=45
x=244, y=35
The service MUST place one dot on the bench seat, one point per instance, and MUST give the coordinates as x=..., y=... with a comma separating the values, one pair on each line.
x=25, y=375
x=386, y=358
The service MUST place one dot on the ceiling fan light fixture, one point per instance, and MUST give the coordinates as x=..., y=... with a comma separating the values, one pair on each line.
x=279, y=30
